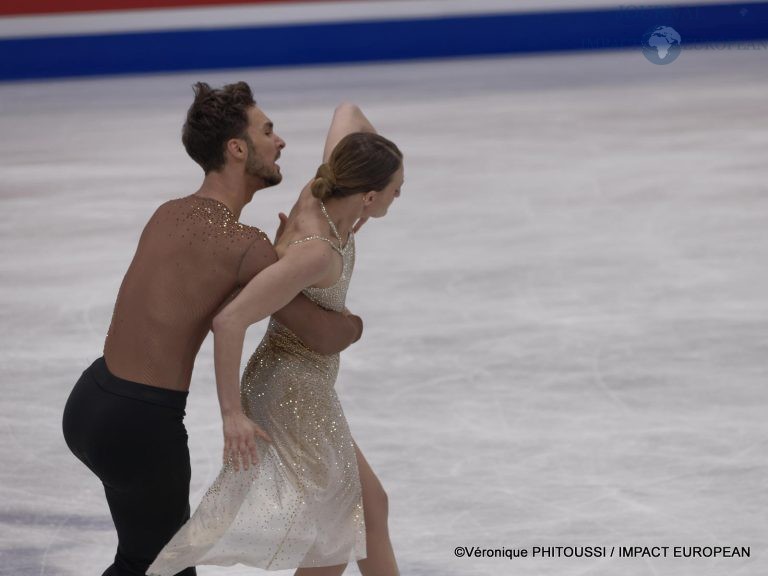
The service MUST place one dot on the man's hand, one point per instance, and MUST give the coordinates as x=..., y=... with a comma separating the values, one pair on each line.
x=239, y=440
x=281, y=227
x=356, y=321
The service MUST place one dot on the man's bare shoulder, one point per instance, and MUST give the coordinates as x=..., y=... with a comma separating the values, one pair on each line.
x=259, y=254
x=210, y=216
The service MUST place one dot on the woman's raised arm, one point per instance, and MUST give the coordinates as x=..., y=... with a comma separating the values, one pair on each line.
x=347, y=118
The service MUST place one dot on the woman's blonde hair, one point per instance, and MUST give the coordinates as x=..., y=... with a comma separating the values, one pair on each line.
x=360, y=162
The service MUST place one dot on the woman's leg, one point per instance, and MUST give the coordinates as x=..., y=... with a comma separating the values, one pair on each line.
x=380, y=560
x=324, y=571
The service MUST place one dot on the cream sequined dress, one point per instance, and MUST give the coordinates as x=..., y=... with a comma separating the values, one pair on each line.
x=301, y=506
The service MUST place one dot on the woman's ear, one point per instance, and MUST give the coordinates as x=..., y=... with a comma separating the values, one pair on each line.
x=369, y=197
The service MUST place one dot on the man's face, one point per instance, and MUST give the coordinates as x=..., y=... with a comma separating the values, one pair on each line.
x=264, y=147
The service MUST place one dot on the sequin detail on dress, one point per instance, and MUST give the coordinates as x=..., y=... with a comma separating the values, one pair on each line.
x=301, y=506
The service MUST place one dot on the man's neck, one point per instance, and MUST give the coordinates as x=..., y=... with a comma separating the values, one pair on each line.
x=233, y=191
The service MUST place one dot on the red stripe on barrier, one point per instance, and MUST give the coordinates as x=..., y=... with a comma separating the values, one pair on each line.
x=64, y=6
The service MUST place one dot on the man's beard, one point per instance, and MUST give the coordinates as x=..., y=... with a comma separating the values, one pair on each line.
x=254, y=166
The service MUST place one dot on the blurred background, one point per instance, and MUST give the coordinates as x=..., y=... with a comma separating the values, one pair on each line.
x=566, y=334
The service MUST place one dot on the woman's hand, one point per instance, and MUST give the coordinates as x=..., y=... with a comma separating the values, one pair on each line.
x=240, y=440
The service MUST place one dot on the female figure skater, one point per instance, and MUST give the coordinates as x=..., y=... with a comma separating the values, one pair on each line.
x=308, y=499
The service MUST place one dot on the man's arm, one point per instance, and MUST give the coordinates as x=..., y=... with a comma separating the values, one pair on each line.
x=323, y=331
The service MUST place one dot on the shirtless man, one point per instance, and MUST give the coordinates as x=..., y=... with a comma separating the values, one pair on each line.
x=124, y=417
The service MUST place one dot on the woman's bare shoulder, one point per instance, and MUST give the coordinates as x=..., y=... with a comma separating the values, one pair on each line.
x=304, y=223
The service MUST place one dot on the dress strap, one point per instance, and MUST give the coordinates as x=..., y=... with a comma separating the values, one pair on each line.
x=333, y=226
x=308, y=238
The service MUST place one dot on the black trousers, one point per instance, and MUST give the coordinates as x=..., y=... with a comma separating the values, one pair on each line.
x=132, y=437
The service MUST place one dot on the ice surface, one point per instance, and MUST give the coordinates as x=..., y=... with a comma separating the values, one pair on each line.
x=566, y=317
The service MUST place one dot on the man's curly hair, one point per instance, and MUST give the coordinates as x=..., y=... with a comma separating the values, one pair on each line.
x=216, y=116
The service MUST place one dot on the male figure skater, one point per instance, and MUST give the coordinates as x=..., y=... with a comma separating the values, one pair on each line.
x=124, y=417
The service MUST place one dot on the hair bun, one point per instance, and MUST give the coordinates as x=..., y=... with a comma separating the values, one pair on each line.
x=324, y=182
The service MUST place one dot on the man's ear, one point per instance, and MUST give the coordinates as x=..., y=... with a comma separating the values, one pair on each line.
x=237, y=148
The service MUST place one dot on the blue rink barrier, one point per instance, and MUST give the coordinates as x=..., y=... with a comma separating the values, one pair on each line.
x=373, y=40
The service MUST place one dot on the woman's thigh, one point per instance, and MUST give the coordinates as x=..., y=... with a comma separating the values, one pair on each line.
x=375, y=505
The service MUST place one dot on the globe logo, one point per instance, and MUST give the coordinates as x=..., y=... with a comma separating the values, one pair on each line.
x=662, y=45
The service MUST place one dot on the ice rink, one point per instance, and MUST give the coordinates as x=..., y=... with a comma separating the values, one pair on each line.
x=566, y=317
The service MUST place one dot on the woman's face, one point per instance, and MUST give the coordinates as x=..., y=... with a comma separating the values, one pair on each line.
x=382, y=199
